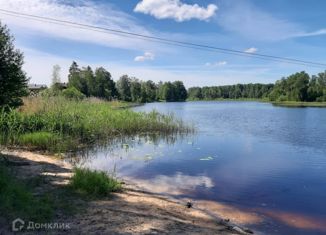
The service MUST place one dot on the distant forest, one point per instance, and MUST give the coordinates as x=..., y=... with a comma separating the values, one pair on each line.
x=99, y=83
x=297, y=87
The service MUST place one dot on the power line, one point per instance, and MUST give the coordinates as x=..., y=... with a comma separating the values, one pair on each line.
x=162, y=40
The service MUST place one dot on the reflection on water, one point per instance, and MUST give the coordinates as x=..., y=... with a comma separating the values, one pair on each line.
x=178, y=184
x=257, y=164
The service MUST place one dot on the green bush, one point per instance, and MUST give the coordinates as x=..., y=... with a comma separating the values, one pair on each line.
x=94, y=183
x=73, y=93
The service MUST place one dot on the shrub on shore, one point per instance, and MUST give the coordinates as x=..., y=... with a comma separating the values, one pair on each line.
x=94, y=183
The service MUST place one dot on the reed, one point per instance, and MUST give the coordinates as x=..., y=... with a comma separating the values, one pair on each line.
x=57, y=121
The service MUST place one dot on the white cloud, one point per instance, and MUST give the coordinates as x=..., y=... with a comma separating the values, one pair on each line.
x=146, y=56
x=251, y=50
x=80, y=11
x=314, y=33
x=175, y=9
x=243, y=18
x=216, y=64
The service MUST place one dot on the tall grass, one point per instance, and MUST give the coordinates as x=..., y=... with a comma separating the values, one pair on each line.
x=54, y=121
x=94, y=183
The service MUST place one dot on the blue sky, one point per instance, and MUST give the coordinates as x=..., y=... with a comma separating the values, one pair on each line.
x=295, y=29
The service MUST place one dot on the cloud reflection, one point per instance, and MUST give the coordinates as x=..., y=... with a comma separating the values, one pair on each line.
x=176, y=184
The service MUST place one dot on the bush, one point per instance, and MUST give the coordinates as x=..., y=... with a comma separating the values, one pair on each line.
x=94, y=183
x=73, y=93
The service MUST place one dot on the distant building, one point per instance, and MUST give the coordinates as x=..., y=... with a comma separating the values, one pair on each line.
x=34, y=89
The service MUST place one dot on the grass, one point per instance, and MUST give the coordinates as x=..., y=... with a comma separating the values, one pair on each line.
x=59, y=124
x=41, y=140
x=94, y=183
x=17, y=200
x=299, y=104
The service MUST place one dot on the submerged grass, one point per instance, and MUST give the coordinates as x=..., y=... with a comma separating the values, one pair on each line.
x=94, y=183
x=57, y=123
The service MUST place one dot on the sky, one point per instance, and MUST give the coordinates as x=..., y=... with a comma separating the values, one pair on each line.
x=293, y=29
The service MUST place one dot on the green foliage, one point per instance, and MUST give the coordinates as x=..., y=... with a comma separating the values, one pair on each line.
x=40, y=140
x=299, y=87
x=172, y=91
x=16, y=199
x=123, y=87
x=73, y=93
x=239, y=91
x=94, y=183
x=13, y=80
x=81, y=121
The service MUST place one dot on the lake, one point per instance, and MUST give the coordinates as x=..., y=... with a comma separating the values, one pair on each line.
x=260, y=165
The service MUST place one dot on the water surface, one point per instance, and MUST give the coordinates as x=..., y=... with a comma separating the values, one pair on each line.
x=262, y=165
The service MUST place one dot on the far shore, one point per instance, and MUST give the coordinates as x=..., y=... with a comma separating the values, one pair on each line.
x=276, y=103
x=132, y=211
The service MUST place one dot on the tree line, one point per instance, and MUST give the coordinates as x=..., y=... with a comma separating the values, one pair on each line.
x=296, y=87
x=100, y=84
x=84, y=82
x=239, y=91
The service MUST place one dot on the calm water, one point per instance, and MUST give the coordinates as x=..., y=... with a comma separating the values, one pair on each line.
x=262, y=166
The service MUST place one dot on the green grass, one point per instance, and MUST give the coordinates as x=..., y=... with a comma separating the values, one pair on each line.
x=56, y=122
x=40, y=140
x=94, y=183
x=299, y=104
x=17, y=200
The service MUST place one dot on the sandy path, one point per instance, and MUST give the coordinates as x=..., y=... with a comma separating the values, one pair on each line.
x=130, y=212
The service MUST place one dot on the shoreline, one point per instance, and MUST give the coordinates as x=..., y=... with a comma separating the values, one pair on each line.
x=163, y=214
x=281, y=104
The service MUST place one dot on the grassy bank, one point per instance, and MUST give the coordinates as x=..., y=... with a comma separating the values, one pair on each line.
x=59, y=124
x=17, y=199
x=300, y=104
x=35, y=196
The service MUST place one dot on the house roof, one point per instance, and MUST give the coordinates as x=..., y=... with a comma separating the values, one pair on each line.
x=36, y=86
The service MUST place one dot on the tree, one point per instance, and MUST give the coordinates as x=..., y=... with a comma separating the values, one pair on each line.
x=180, y=92
x=123, y=87
x=104, y=85
x=135, y=90
x=13, y=80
